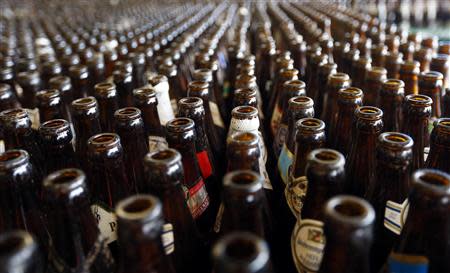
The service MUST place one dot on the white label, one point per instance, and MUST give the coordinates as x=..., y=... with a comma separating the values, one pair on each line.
x=395, y=215
x=308, y=243
x=167, y=238
x=2, y=146
x=34, y=117
x=217, y=119
x=106, y=221
x=156, y=143
x=426, y=151
x=295, y=193
x=165, y=110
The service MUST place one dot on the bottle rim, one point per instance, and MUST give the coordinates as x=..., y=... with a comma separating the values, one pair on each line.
x=243, y=180
x=84, y=103
x=395, y=141
x=164, y=157
x=13, y=158
x=140, y=208
x=65, y=181
x=433, y=180
x=180, y=124
x=326, y=158
x=17, y=247
x=418, y=100
x=351, y=210
x=127, y=114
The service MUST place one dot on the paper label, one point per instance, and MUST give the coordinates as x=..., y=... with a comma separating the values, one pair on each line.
x=165, y=110
x=426, y=151
x=205, y=164
x=284, y=162
x=395, y=215
x=34, y=117
x=167, y=238
x=280, y=138
x=217, y=119
x=295, y=193
x=2, y=146
x=218, y=223
x=276, y=118
x=308, y=243
x=106, y=221
x=197, y=198
x=400, y=263
x=174, y=104
x=156, y=143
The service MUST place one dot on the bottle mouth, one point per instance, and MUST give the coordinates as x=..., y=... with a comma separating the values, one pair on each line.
x=393, y=84
x=244, y=111
x=5, y=89
x=247, y=181
x=431, y=76
x=157, y=79
x=202, y=74
x=419, y=100
x=128, y=113
x=245, y=138
x=327, y=68
x=190, y=102
x=328, y=158
x=104, y=140
x=54, y=126
x=288, y=72
x=105, y=89
x=300, y=102
x=433, y=180
x=163, y=157
x=16, y=247
x=65, y=180
x=79, y=71
x=410, y=66
x=241, y=249
x=13, y=158
x=339, y=77
x=198, y=86
x=142, y=207
x=310, y=125
x=349, y=210
x=13, y=114
x=377, y=73
x=369, y=113
x=84, y=103
x=395, y=141
x=245, y=92
x=180, y=125
x=46, y=95
x=350, y=93
x=443, y=125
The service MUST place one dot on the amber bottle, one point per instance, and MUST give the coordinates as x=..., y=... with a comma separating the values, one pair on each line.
x=409, y=73
x=8, y=98
x=30, y=83
x=79, y=76
x=64, y=86
x=123, y=82
x=372, y=86
x=391, y=103
x=108, y=104
x=20, y=253
x=361, y=159
x=430, y=84
x=393, y=62
x=439, y=155
x=324, y=71
x=50, y=105
x=335, y=82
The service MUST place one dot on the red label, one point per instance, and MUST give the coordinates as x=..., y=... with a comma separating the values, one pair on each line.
x=197, y=198
x=205, y=164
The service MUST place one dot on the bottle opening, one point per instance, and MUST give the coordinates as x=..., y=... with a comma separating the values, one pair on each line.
x=311, y=122
x=435, y=179
x=65, y=176
x=339, y=76
x=397, y=138
x=246, y=136
x=368, y=110
x=82, y=103
x=104, y=139
x=243, y=178
x=350, y=209
x=10, y=155
x=190, y=100
x=48, y=94
x=394, y=83
x=138, y=205
x=55, y=123
x=18, y=112
x=163, y=155
x=245, y=109
x=11, y=243
x=419, y=99
x=180, y=121
x=128, y=113
x=302, y=99
x=327, y=156
x=241, y=249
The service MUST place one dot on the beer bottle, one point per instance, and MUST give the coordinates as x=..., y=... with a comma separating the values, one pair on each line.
x=347, y=218
x=245, y=97
x=140, y=225
x=349, y=99
x=299, y=107
x=67, y=61
x=138, y=61
x=7, y=77
x=249, y=81
x=18, y=134
x=145, y=100
x=325, y=174
x=241, y=252
x=49, y=70
x=192, y=108
x=423, y=56
x=340, y=49
x=77, y=245
x=279, y=121
x=391, y=101
x=441, y=63
x=335, y=82
x=417, y=113
x=56, y=137
x=50, y=105
x=407, y=50
x=316, y=61
x=439, y=155
x=86, y=123
x=409, y=73
x=348, y=59
x=108, y=182
x=63, y=85
x=421, y=244
x=181, y=136
x=108, y=103
x=111, y=57
x=359, y=69
x=79, y=76
x=361, y=159
x=387, y=192
x=166, y=103
x=30, y=82
x=8, y=99
x=378, y=54
x=393, y=62
x=176, y=89
x=373, y=82
x=123, y=81
x=20, y=195
x=129, y=125
x=243, y=152
x=20, y=253
x=165, y=179
x=446, y=104
x=245, y=207
x=96, y=68
x=324, y=71
x=430, y=84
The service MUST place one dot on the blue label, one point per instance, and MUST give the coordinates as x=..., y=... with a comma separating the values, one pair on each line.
x=408, y=264
x=284, y=161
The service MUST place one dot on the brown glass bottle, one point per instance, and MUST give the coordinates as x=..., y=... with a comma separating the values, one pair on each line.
x=441, y=63
x=393, y=62
x=18, y=134
x=129, y=125
x=324, y=71
x=49, y=70
x=409, y=74
x=164, y=179
x=86, y=123
x=417, y=113
x=243, y=152
x=325, y=174
x=96, y=68
x=283, y=76
x=391, y=102
x=77, y=244
x=50, y=105
x=166, y=104
x=64, y=86
x=348, y=225
x=378, y=54
x=8, y=99
x=108, y=104
x=30, y=83
x=349, y=100
x=446, y=104
x=359, y=69
x=361, y=159
x=423, y=237
x=335, y=82
x=140, y=225
x=56, y=138
x=181, y=136
x=108, y=181
x=430, y=84
x=245, y=97
x=439, y=155
x=313, y=81
x=138, y=61
x=373, y=82
x=20, y=194
x=123, y=81
x=20, y=253
x=241, y=252
x=299, y=107
x=79, y=76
